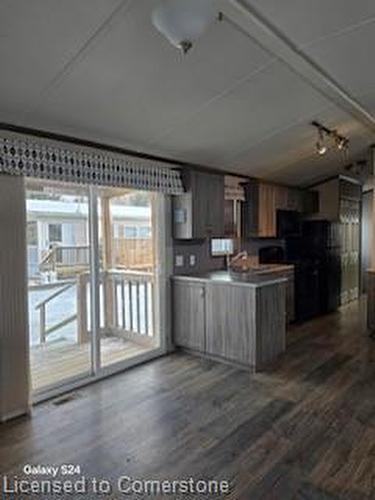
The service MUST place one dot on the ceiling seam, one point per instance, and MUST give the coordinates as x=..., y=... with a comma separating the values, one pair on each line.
x=279, y=130
x=227, y=91
x=271, y=38
x=336, y=34
x=83, y=51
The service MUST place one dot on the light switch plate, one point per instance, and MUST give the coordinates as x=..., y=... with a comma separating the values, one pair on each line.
x=192, y=260
x=179, y=260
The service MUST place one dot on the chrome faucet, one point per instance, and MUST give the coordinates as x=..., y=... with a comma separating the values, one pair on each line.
x=240, y=255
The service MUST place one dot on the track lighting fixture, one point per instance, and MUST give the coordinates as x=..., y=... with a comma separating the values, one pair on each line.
x=326, y=135
x=321, y=147
x=341, y=142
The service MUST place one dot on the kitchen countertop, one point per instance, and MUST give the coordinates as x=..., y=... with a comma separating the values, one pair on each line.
x=269, y=268
x=252, y=279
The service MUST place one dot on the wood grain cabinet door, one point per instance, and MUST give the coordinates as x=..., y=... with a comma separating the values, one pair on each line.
x=230, y=322
x=267, y=211
x=189, y=315
x=208, y=205
x=215, y=206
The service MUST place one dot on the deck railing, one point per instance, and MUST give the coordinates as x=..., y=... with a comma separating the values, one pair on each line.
x=72, y=255
x=60, y=257
x=42, y=308
x=127, y=253
x=129, y=301
x=126, y=305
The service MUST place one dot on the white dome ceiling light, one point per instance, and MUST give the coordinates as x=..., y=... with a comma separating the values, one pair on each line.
x=182, y=22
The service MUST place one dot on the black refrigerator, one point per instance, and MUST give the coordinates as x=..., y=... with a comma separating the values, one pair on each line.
x=316, y=256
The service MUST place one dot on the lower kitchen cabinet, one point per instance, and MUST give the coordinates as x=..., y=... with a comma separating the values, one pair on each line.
x=238, y=322
x=230, y=331
x=290, y=292
x=190, y=316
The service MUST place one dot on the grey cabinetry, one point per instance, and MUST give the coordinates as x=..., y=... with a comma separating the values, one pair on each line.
x=262, y=201
x=199, y=213
x=259, y=210
x=230, y=323
x=189, y=316
x=234, y=322
x=340, y=203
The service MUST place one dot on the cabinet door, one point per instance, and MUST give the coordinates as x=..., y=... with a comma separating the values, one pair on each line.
x=310, y=202
x=230, y=322
x=290, y=307
x=214, y=198
x=250, y=210
x=294, y=200
x=281, y=198
x=199, y=204
x=267, y=211
x=189, y=315
x=208, y=205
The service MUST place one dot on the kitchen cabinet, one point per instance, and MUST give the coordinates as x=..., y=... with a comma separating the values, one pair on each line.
x=199, y=213
x=238, y=322
x=289, y=291
x=262, y=201
x=331, y=195
x=259, y=210
x=261, y=205
x=189, y=323
x=230, y=335
x=310, y=202
x=340, y=202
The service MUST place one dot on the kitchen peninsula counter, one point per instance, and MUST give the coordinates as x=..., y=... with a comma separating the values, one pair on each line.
x=234, y=317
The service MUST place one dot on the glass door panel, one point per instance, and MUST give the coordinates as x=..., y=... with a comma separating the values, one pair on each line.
x=127, y=285
x=58, y=282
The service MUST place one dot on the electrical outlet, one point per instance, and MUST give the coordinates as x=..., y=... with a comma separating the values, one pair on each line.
x=192, y=260
x=179, y=260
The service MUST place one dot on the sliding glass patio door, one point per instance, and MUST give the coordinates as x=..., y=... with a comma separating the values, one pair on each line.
x=92, y=284
x=127, y=257
x=58, y=282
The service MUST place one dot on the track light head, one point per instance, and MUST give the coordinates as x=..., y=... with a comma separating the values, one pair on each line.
x=342, y=142
x=327, y=136
x=321, y=147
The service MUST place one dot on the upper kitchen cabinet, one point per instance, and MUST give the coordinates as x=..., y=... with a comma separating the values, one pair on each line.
x=333, y=194
x=199, y=213
x=234, y=195
x=262, y=200
x=259, y=210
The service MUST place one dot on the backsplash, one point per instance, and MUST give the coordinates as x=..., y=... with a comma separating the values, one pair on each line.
x=203, y=258
x=204, y=261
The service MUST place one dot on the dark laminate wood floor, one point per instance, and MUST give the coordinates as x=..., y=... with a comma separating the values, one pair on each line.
x=304, y=430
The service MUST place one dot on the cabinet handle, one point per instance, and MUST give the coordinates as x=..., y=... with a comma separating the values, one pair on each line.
x=202, y=292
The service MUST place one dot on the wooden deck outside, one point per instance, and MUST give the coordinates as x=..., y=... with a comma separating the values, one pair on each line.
x=54, y=363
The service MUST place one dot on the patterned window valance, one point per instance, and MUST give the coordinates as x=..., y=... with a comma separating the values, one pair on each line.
x=65, y=162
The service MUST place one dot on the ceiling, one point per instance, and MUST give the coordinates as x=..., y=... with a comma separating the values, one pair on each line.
x=100, y=71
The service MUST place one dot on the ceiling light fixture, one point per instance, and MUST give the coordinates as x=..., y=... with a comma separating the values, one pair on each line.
x=321, y=147
x=182, y=22
x=325, y=134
